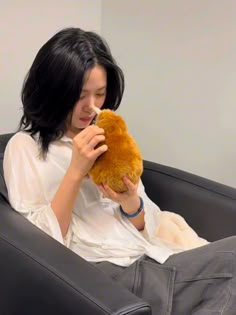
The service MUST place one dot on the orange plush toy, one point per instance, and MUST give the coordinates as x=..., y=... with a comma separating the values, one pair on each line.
x=122, y=158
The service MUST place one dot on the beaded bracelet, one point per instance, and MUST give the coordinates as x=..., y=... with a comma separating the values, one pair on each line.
x=133, y=215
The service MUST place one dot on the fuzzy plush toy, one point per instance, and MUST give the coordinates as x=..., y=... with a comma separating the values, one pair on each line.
x=173, y=229
x=122, y=158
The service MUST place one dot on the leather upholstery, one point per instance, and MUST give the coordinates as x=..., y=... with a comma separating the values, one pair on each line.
x=209, y=207
x=40, y=276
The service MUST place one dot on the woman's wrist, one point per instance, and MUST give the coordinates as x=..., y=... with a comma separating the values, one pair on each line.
x=132, y=208
x=74, y=175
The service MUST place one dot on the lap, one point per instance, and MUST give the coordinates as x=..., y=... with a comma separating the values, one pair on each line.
x=212, y=258
x=196, y=281
x=203, y=280
x=111, y=270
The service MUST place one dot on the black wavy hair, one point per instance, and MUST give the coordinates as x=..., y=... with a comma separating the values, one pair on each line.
x=55, y=80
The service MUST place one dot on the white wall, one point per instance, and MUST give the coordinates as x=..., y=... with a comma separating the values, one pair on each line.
x=25, y=25
x=179, y=59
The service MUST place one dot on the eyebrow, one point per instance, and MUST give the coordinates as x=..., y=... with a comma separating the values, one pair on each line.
x=99, y=89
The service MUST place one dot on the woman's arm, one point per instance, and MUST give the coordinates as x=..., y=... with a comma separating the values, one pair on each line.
x=64, y=199
x=23, y=173
x=129, y=201
x=27, y=193
x=84, y=153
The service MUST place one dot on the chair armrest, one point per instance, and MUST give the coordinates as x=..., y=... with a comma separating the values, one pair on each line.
x=209, y=207
x=41, y=276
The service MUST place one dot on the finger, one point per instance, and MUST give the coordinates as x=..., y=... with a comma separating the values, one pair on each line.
x=99, y=151
x=96, y=140
x=103, y=191
x=84, y=132
x=130, y=185
x=92, y=131
x=90, y=140
x=111, y=193
x=87, y=134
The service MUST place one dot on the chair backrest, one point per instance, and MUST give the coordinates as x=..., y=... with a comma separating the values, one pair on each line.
x=3, y=142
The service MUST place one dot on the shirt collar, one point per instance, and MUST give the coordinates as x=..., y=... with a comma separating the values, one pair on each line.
x=66, y=139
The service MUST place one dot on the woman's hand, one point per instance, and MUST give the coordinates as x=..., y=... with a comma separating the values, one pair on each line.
x=84, y=151
x=128, y=200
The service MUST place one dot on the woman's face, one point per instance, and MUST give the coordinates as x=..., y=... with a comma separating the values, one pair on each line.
x=93, y=94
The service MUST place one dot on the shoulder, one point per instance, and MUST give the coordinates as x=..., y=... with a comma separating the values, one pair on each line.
x=22, y=142
x=20, y=137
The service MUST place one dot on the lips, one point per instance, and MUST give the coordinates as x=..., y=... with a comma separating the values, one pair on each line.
x=86, y=119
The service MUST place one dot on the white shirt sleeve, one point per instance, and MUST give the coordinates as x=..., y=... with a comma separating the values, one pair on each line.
x=25, y=191
x=151, y=214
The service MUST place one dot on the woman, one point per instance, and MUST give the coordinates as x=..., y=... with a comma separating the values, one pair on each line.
x=46, y=165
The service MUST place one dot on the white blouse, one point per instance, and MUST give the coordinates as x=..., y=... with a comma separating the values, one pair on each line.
x=97, y=231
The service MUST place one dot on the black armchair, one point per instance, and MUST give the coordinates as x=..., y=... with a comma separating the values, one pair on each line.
x=40, y=276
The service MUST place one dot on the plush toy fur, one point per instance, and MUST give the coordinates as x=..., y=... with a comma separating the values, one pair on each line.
x=122, y=157
x=173, y=229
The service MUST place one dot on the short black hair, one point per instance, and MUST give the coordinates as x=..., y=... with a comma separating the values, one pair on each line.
x=54, y=82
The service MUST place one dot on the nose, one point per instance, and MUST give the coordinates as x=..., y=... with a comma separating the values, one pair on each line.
x=88, y=106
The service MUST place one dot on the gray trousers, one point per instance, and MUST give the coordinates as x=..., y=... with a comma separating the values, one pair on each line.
x=201, y=281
